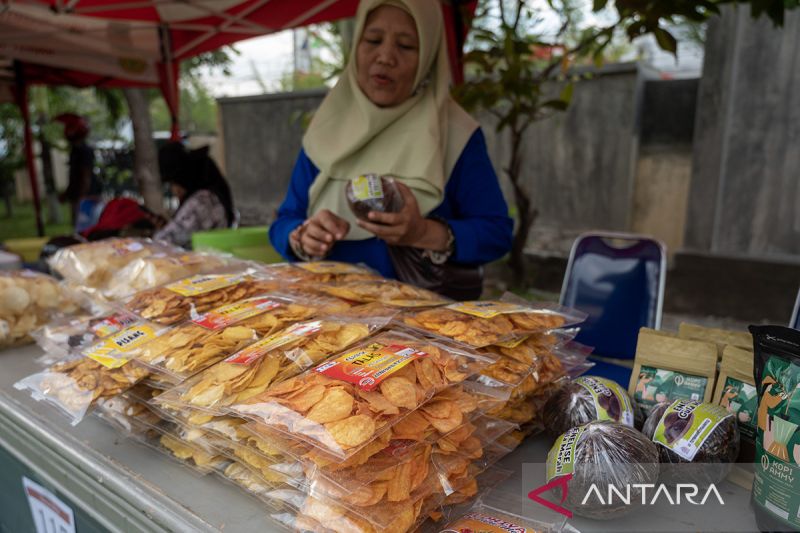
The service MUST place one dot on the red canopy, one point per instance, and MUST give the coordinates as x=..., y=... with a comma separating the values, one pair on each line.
x=123, y=43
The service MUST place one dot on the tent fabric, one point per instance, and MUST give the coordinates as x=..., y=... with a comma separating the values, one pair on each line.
x=140, y=43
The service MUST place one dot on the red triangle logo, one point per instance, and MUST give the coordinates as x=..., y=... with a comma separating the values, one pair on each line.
x=561, y=481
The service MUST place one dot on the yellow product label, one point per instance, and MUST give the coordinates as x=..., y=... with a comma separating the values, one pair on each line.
x=330, y=267
x=197, y=285
x=369, y=187
x=254, y=352
x=484, y=523
x=123, y=342
x=488, y=309
x=227, y=315
x=513, y=343
x=108, y=362
x=367, y=367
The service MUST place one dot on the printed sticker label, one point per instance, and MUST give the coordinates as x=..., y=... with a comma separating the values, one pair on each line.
x=369, y=187
x=686, y=424
x=226, y=315
x=488, y=309
x=368, y=367
x=201, y=284
x=254, y=352
x=561, y=457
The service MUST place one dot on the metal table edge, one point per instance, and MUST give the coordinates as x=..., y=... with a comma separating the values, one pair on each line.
x=109, y=493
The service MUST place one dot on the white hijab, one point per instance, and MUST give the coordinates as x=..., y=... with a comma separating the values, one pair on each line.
x=418, y=142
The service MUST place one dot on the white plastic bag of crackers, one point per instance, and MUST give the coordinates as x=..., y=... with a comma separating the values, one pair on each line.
x=28, y=300
x=93, y=265
x=162, y=268
x=102, y=370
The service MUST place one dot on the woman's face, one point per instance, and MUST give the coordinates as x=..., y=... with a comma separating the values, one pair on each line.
x=387, y=56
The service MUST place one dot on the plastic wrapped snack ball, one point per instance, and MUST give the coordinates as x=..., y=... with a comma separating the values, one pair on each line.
x=697, y=441
x=584, y=400
x=373, y=193
x=597, y=456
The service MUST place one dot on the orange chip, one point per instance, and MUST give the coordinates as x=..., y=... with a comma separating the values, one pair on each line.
x=412, y=425
x=400, y=392
x=428, y=374
x=304, y=399
x=438, y=408
x=378, y=402
x=335, y=405
x=399, y=486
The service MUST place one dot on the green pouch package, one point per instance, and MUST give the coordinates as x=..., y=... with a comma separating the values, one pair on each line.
x=776, y=487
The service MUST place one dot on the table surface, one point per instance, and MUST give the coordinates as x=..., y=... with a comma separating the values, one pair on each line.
x=127, y=486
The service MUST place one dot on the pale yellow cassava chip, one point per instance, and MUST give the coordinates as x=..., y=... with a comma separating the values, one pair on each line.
x=352, y=431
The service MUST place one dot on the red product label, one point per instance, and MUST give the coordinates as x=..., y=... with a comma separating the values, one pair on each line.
x=367, y=367
x=227, y=315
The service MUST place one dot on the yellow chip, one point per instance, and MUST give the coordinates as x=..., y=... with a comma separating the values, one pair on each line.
x=352, y=431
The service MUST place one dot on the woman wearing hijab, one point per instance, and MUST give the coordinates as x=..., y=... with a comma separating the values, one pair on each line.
x=391, y=113
x=204, y=195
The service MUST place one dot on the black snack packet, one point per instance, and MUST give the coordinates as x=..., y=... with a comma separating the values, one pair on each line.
x=776, y=488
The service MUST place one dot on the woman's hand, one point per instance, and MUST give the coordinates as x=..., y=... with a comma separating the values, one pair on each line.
x=407, y=227
x=317, y=235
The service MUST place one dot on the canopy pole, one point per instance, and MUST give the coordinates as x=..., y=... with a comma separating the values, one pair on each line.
x=22, y=102
x=169, y=81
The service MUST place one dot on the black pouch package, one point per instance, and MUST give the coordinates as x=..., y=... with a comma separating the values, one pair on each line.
x=776, y=487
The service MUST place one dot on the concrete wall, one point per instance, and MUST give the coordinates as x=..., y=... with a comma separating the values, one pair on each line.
x=664, y=165
x=745, y=195
x=261, y=139
x=579, y=166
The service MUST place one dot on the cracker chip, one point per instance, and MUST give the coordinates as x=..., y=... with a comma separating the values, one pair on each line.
x=400, y=392
x=352, y=431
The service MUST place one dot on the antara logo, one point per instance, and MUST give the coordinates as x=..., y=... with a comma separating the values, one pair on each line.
x=636, y=493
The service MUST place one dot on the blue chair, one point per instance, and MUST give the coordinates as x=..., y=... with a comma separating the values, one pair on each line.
x=618, y=280
x=795, y=321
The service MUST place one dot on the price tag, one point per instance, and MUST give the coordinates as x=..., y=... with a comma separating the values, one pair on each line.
x=50, y=515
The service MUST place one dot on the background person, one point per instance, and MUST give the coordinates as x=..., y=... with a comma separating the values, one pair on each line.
x=84, y=188
x=204, y=196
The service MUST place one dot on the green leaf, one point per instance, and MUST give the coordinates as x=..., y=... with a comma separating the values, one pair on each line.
x=599, y=4
x=666, y=41
x=567, y=92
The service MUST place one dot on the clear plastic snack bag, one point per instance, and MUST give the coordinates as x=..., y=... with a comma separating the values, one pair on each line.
x=162, y=268
x=271, y=360
x=220, y=333
x=348, y=401
x=93, y=265
x=484, y=323
x=389, y=292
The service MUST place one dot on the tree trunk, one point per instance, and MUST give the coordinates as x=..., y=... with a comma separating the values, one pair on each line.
x=526, y=214
x=53, y=207
x=7, y=194
x=145, y=164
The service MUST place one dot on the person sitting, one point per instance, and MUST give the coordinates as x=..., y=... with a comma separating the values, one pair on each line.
x=391, y=114
x=204, y=196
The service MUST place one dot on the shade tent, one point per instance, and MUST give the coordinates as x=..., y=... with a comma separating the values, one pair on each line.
x=140, y=43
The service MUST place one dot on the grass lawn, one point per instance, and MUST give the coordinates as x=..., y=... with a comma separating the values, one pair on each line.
x=23, y=222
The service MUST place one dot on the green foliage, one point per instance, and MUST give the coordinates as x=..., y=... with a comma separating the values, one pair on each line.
x=198, y=108
x=519, y=69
